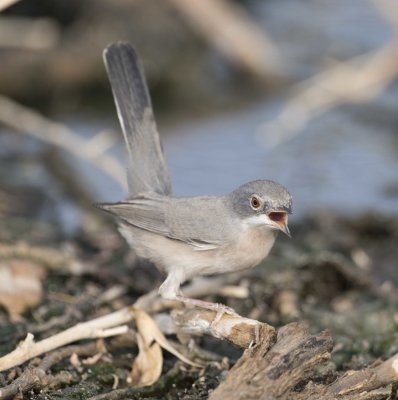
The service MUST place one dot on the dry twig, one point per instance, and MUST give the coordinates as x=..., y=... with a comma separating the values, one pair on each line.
x=22, y=119
x=36, y=377
x=28, y=33
x=46, y=256
x=108, y=325
x=6, y=3
x=356, y=80
x=242, y=332
x=227, y=27
x=101, y=327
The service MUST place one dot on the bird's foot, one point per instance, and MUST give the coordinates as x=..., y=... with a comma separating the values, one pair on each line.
x=221, y=310
x=218, y=307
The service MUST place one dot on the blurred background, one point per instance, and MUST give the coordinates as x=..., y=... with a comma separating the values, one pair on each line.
x=304, y=93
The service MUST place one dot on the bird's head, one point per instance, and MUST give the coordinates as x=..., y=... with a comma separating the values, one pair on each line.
x=263, y=203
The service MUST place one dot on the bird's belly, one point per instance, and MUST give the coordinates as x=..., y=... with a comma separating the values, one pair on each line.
x=167, y=254
x=252, y=247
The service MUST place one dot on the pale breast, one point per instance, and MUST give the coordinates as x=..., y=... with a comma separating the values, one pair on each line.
x=254, y=245
x=250, y=249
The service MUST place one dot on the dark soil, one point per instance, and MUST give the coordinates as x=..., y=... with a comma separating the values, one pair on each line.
x=336, y=273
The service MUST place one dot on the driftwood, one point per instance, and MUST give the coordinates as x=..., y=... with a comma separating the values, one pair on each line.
x=276, y=371
x=283, y=364
x=240, y=331
x=288, y=363
x=286, y=369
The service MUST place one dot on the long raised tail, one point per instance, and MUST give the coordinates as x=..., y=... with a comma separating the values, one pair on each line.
x=147, y=170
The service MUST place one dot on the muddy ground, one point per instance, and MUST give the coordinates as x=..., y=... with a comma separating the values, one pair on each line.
x=336, y=273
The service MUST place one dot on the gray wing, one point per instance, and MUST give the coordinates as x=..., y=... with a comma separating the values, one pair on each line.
x=198, y=221
x=205, y=222
x=146, y=212
x=147, y=170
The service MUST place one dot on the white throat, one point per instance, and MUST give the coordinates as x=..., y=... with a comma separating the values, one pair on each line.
x=260, y=220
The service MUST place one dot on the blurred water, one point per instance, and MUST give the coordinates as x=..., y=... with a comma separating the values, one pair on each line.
x=345, y=160
x=339, y=162
x=311, y=32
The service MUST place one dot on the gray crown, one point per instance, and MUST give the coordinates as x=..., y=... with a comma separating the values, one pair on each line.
x=273, y=195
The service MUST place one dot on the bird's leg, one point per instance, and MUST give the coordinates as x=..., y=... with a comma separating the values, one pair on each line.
x=170, y=289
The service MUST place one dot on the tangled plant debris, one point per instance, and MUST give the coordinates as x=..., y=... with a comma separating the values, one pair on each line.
x=331, y=288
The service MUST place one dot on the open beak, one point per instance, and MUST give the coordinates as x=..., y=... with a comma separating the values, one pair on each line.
x=280, y=220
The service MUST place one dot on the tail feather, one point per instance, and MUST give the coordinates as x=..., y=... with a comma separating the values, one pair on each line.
x=147, y=169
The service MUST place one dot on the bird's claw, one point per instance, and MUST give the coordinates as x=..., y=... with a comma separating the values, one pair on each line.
x=222, y=308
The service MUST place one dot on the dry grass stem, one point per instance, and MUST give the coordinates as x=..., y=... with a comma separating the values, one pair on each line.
x=356, y=80
x=25, y=120
x=7, y=3
x=229, y=29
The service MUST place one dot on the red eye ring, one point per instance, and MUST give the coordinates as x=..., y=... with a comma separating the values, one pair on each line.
x=255, y=202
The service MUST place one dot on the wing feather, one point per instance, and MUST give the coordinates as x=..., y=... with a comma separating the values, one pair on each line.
x=145, y=212
x=198, y=222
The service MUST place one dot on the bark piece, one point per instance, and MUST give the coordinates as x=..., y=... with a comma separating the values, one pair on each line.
x=20, y=286
x=277, y=371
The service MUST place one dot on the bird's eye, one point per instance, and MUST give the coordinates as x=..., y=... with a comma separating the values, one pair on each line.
x=255, y=202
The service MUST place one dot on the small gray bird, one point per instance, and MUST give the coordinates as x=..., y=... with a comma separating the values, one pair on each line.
x=187, y=236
